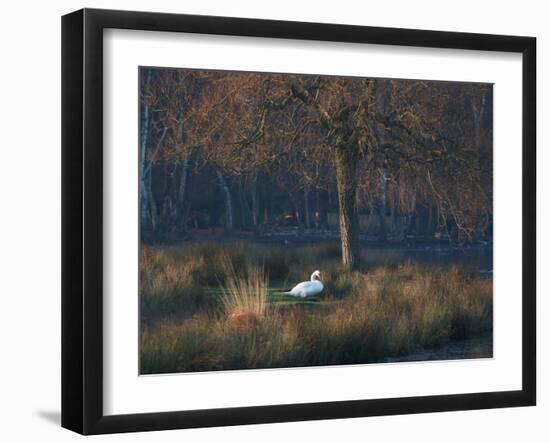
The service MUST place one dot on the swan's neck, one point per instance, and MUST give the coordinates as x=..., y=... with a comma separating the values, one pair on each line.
x=313, y=277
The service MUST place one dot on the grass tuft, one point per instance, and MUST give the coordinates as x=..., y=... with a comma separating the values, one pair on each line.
x=246, y=292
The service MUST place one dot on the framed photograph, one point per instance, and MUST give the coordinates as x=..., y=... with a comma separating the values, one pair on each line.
x=269, y=221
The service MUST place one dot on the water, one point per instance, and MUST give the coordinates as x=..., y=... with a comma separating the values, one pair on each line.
x=474, y=258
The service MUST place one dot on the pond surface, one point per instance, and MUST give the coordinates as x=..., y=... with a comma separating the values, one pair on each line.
x=476, y=258
x=473, y=258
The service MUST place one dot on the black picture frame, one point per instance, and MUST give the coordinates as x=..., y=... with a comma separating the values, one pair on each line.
x=82, y=218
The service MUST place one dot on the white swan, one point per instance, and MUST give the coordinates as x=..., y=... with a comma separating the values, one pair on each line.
x=308, y=288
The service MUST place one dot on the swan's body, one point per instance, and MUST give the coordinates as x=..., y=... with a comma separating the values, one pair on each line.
x=308, y=288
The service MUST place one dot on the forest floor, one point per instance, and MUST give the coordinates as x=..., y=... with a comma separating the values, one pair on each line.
x=210, y=306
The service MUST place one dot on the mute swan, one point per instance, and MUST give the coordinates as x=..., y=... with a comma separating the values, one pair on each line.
x=308, y=288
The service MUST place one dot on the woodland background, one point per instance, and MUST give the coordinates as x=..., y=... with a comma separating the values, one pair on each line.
x=391, y=160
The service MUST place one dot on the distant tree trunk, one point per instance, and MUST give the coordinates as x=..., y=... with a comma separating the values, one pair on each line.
x=478, y=112
x=145, y=122
x=180, y=207
x=382, y=206
x=148, y=173
x=346, y=157
x=167, y=213
x=327, y=199
x=306, y=208
x=153, y=211
x=227, y=201
x=167, y=208
x=322, y=204
x=267, y=203
x=411, y=222
x=254, y=192
x=382, y=102
x=266, y=223
x=430, y=230
x=241, y=205
x=297, y=214
x=392, y=213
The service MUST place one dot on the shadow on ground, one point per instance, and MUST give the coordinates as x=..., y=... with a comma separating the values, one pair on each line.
x=54, y=417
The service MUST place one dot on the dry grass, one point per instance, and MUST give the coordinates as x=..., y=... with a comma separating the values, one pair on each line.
x=169, y=288
x=368, y=316
x=246, y=293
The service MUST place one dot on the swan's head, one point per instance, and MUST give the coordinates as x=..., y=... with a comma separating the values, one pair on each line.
x=316, y=275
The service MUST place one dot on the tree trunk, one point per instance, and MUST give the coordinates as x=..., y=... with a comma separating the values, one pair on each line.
x=346, y=159
x=254, y=191
x=322, y=204
x=242, y=206
x=478, y=117
x=180, y=207
x=143, y=189
x=227, y=201
x=382, y=206
x=267, y=203
x=297, y=214
x=346, y=183
x=392, y=214
x=306, y=208
x=148, y=174
x=151, y=200
x=382, y=102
